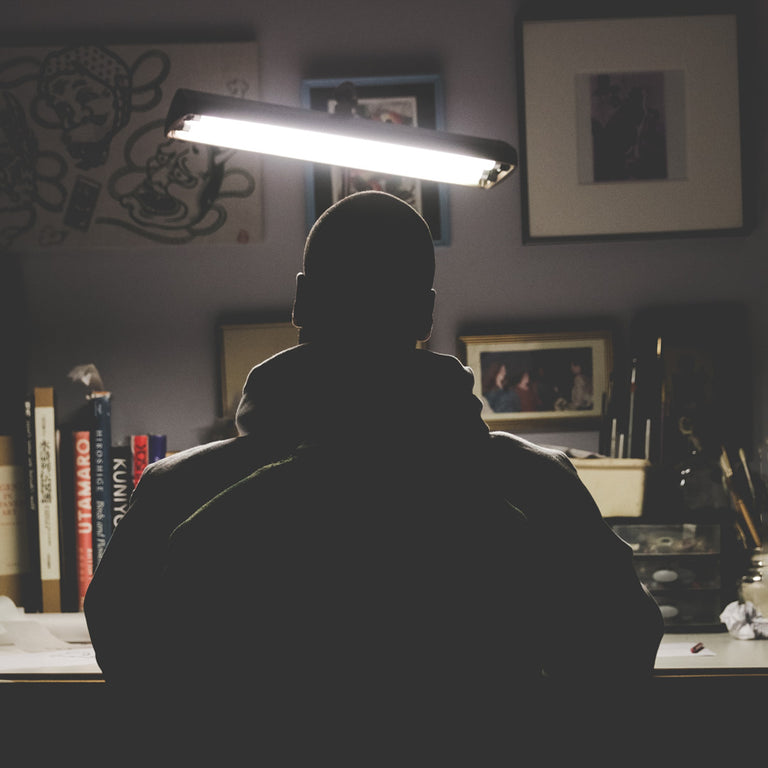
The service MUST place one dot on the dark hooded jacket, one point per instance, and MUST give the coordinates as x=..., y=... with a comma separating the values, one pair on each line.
x=367, y=548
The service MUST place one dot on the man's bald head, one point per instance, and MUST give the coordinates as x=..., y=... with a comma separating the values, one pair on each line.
x=369, y=264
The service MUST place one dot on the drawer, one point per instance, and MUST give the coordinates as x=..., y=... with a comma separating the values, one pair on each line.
x=671, y=574
x=689, y=608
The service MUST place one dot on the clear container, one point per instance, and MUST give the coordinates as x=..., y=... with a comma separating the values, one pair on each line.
x=670, y=539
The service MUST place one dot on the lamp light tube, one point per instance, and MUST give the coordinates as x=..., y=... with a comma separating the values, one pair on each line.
x=345, y=141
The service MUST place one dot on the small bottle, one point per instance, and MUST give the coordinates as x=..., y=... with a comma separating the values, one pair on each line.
x=754, y=583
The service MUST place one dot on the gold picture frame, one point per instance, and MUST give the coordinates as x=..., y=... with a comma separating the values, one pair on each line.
x=548, y=380
x=241, y=347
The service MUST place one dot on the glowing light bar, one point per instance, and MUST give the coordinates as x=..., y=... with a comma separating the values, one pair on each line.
x=318, y=137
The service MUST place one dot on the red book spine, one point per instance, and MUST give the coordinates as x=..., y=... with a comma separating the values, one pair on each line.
x=140, y=451
x=83, y=512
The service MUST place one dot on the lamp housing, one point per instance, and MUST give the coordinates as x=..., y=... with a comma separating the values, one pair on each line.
x=341, y=140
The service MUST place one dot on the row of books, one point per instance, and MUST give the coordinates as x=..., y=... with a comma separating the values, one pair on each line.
x=75, y=488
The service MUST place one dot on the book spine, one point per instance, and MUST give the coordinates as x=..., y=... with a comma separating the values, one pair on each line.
x=83, y=512
x=122, y=481
x=14, y=558
x=157, y=447
x=47, y=498
x=140, y=453
x=101, y=477
x=33, y=598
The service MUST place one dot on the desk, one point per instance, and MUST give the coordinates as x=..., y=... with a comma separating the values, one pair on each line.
x=724, y=655
x=699, y=698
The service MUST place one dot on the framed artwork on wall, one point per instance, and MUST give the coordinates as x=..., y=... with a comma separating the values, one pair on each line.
x=242, y=346
x=412, y=100
x=694, y=372
x=630, y=126
x=541, y=380
x=85, y=161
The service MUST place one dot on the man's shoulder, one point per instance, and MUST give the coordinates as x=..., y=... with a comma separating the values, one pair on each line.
x=505, y=446
x=204, y=469
x=191, y=458
x=540, y=481
x=243, y=447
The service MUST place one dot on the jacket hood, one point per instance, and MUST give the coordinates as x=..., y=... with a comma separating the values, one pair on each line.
x=311, y=392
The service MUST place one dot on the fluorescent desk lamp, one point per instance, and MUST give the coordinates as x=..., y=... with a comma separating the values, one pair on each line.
x=320, y=137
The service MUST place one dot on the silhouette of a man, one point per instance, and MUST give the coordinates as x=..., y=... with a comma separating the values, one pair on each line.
x=366, y=575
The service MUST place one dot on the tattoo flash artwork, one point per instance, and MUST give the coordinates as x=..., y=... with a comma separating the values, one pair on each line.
x=29, y=179
x=173, y=191
x=84, y=159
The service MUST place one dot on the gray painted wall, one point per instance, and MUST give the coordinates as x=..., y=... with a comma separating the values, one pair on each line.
x=147, y=317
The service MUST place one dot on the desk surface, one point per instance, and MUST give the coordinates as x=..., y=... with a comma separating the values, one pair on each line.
x=73, y=654
x=46, y=644
x=721, y=652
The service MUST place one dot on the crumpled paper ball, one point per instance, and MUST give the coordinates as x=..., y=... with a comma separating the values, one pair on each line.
x=744, y=621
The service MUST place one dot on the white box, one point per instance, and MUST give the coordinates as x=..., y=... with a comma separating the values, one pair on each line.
x=616, y=485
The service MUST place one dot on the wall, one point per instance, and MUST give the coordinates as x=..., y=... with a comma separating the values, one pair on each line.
x=147, y=317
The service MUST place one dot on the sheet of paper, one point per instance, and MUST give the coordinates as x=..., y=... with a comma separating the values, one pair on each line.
x=681, y=649
x=69, y=627
x=32, y=637
x=13, y=660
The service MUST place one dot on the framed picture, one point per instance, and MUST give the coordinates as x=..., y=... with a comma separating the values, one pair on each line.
x=541, y=380
x=243, y=345
x=85, y=162
x=630, y=127
x=413, y=100
x=694, y=365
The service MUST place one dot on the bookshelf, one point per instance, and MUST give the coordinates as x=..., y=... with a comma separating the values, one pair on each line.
x=77, y=479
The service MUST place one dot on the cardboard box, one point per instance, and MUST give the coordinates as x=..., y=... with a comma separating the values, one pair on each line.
x=617, y=485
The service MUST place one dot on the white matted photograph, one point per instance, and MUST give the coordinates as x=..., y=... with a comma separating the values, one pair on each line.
x=630, y=127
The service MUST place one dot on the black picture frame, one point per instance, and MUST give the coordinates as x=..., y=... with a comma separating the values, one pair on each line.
x=423, y=97
x=694, y=366
x=701, y=190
